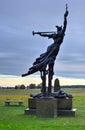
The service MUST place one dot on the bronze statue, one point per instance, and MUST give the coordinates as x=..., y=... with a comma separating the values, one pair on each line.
x=45, y=63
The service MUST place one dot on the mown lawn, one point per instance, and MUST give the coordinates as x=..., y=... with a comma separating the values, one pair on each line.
x=13, y=118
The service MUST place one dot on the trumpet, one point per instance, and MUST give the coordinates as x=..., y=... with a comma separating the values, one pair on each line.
x=33, y=33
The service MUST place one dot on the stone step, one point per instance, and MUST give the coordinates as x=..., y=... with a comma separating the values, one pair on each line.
x=66, y=112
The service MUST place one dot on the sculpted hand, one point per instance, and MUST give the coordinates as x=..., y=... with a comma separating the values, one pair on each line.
x=66, y=13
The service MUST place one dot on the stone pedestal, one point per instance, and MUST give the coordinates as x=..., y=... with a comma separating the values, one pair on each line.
x=46, y=107
x=31, y=110
x=50, y=107
x=65, y=107
x=64, y=103
x=32, y=103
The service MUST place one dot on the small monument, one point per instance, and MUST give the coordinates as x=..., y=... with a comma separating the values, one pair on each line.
x=48, y=103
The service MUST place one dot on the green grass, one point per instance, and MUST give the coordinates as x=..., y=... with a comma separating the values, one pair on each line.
x=18, y=91
x=13, y=118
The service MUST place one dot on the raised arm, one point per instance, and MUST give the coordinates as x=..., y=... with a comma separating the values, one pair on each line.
x=65, y=19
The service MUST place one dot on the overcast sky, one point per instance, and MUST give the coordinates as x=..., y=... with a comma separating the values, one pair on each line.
x=19, y=48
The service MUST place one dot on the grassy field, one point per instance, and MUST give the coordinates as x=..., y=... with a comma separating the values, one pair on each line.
x=13, y=118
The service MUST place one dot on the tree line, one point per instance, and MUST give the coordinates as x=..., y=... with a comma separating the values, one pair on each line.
x=22, y=86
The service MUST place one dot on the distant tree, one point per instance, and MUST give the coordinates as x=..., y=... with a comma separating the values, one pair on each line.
x=56, y=85
x=32, y=86
x=27, y=87
x=16, y=87
x=22, y=86
x=39, y=86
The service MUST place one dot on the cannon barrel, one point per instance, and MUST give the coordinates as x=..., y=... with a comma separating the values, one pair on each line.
x=42, y=32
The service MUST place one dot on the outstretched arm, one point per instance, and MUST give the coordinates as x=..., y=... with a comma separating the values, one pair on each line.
x=65, y=19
